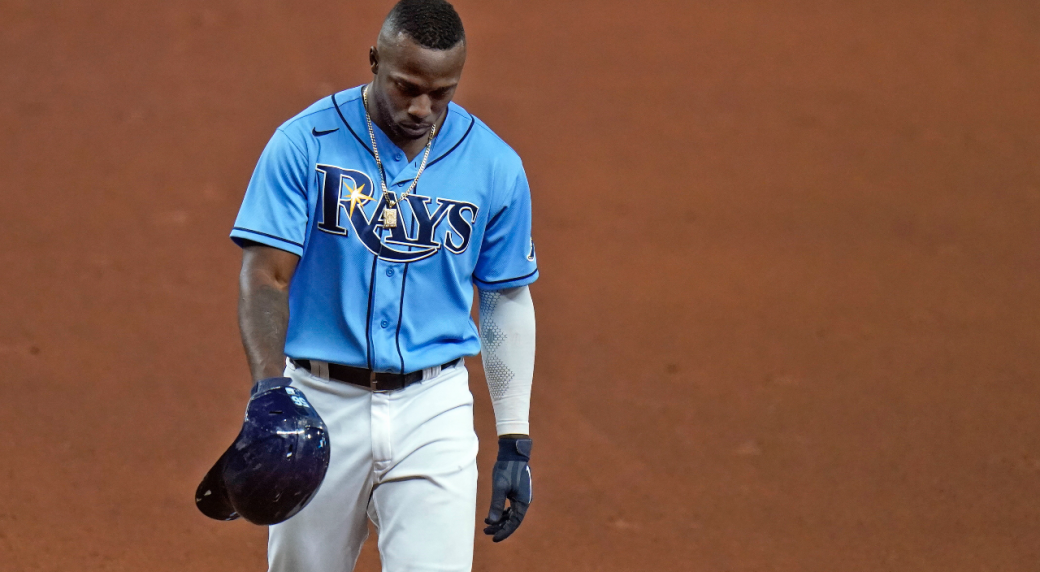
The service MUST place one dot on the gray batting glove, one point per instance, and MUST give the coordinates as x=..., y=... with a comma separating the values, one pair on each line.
x=510, y=479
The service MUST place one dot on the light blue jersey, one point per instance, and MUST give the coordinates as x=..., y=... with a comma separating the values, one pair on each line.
x=396, y=299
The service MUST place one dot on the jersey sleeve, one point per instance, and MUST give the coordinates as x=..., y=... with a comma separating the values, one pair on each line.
x=274, y=210
x=507, y=257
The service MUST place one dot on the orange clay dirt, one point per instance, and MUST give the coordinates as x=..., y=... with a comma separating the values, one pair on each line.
x=789, y=313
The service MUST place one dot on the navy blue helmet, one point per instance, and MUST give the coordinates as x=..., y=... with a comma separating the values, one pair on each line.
x=277, y=462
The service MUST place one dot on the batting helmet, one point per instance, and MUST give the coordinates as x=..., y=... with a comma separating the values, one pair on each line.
x=277, y=462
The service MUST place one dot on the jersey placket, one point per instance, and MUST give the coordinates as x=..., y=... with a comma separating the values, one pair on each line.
x=388, y=280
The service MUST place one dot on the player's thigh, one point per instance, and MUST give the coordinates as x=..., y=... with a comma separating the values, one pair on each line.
x=425, y=506
x=328, y=533
x=427, y=523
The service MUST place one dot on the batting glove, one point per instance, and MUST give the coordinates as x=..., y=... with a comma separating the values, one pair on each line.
x=511, y=479
x=269, y=383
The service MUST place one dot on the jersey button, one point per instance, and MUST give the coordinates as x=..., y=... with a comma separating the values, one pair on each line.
x=384, y=323
x=389, y=271
x=398, y=156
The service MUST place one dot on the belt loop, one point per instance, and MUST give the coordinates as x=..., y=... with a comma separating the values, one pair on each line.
x=431, y=372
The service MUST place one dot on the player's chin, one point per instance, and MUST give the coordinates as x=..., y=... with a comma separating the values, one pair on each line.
x=413, y=130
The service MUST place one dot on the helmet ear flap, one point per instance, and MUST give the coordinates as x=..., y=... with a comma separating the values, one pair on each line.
x=276, y=464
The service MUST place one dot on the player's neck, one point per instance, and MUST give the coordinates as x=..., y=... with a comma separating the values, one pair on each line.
x=411, y=147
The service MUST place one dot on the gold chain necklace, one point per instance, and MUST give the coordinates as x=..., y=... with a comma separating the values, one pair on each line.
x=390, y=210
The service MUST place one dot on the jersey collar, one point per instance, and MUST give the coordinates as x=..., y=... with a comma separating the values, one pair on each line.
x=351, y=108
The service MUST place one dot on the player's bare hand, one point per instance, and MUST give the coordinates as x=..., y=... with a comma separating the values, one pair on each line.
x=510, y=479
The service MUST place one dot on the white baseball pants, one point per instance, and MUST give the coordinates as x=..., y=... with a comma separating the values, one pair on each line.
x=406, y=459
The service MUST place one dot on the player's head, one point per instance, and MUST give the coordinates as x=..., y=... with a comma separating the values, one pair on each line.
x=417, y=62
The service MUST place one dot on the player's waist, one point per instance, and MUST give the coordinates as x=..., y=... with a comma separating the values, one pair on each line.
x=374, y=380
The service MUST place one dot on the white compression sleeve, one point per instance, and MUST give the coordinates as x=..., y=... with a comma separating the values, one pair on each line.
x=507, y=350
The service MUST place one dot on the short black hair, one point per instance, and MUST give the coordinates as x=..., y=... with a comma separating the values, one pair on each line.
x=433, y=24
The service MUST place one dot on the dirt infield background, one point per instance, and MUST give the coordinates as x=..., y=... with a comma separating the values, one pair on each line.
x=789, y=314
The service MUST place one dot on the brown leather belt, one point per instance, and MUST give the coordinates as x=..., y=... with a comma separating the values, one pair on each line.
x=374, y=380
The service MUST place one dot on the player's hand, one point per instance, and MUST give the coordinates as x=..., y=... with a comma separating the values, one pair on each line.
x=510, y=479
x=263, y=385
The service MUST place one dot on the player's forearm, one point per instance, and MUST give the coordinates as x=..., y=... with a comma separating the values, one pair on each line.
x=263, y=317
x=263, y=310
x=507, y=332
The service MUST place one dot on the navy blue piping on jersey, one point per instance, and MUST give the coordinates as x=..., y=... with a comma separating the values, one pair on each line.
x=412, y=226
x=455, y=146
x=349, y=128
x=400, y=316
x=490, y=282
x=368, y=316
x=268, y=235
x=472, y=122
x=400, y=311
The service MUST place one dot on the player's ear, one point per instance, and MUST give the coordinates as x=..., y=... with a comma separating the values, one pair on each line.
x=373, y=59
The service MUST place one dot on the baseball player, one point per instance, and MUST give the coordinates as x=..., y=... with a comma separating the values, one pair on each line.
x=369, y=218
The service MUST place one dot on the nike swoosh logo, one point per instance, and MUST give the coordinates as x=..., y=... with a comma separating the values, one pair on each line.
x=316, y=133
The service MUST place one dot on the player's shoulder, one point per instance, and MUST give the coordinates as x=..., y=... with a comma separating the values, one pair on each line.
x=320, y=117
x=485, y=144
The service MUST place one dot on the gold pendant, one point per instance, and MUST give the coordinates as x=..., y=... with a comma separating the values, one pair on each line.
x=390, y=217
